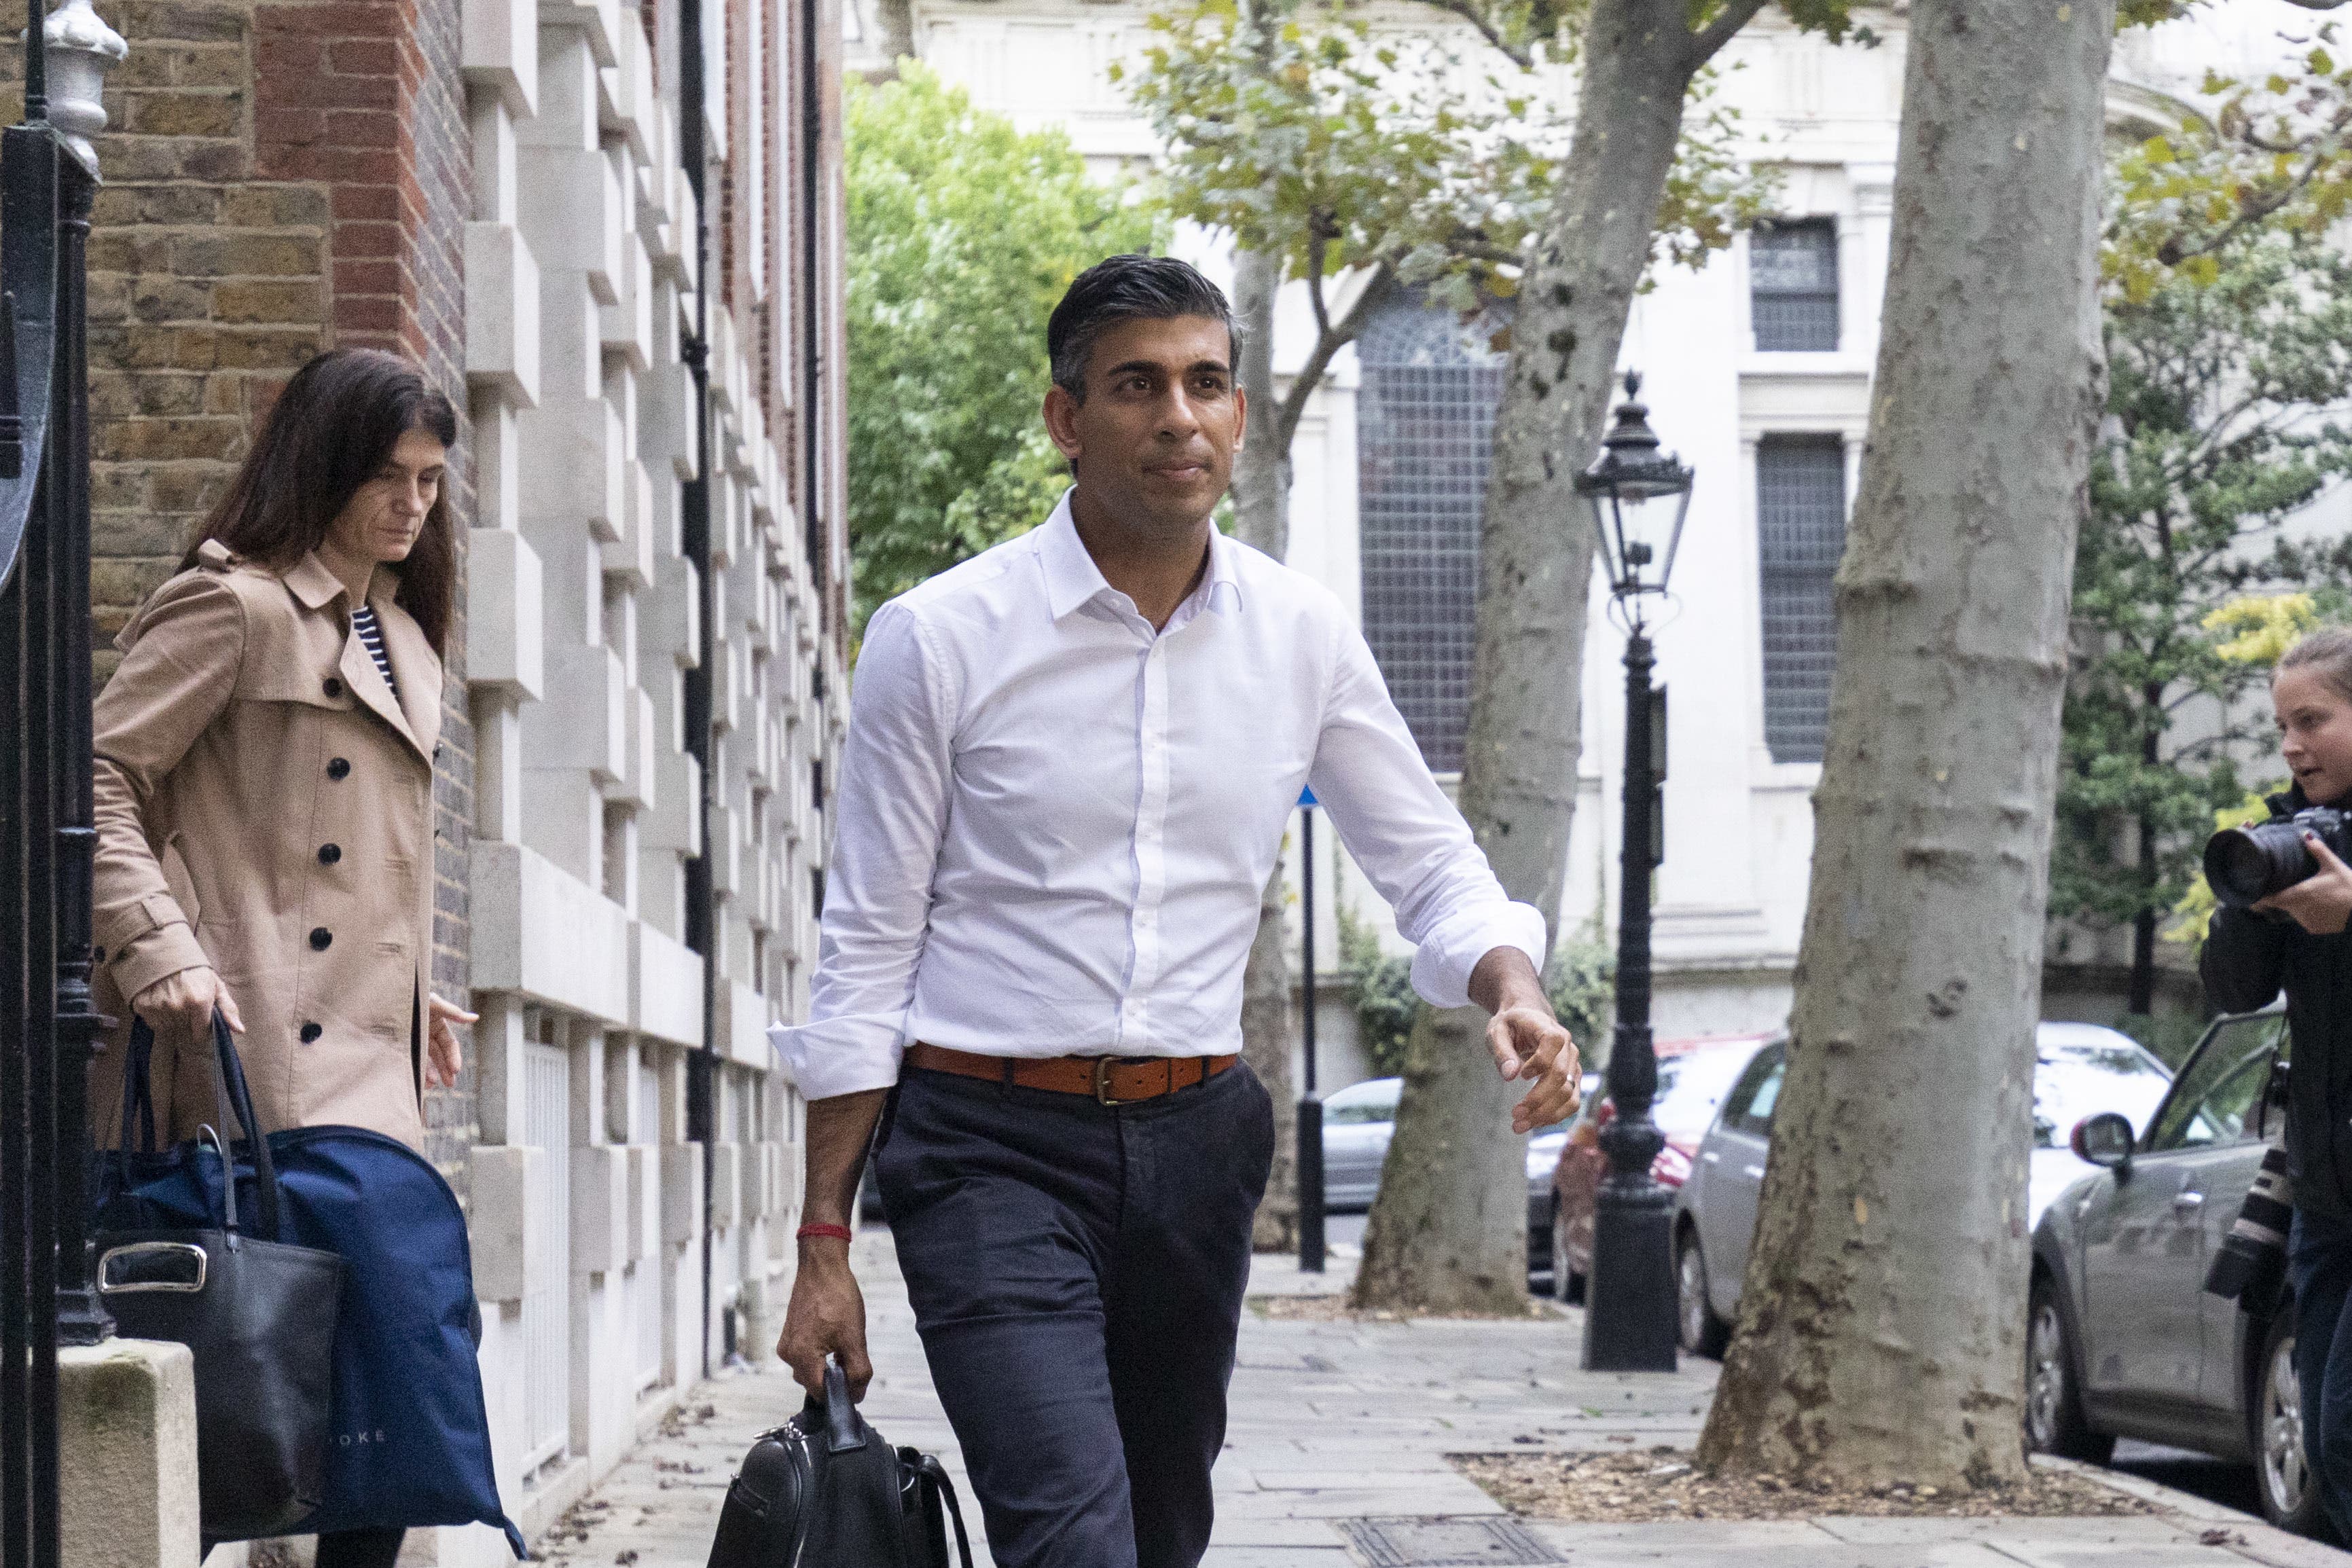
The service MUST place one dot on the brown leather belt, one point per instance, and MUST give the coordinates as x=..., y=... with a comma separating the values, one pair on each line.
x=1107, y=1080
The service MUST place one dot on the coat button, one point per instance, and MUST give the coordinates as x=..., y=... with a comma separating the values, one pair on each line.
x=319, y=939
x=330, y=854
x=339, y=767
x=310, y=1032
x=334, y=688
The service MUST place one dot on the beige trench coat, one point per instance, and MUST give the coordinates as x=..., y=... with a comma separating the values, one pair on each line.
x=265, y=806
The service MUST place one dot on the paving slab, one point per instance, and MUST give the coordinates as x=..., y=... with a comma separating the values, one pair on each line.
x=1352, y=1419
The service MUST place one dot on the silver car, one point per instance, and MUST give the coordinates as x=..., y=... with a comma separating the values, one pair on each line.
x=2079, y=1069
x=1359, y=1120
x=2122, y=1340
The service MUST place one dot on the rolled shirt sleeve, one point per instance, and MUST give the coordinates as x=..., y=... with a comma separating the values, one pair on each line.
x=1408, y=838
x=890, y=811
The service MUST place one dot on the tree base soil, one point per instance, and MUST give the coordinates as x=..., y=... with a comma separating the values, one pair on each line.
x=1659, y=1483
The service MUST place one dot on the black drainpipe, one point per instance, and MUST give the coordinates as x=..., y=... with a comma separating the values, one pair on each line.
x=701, y=899
x=811, y=318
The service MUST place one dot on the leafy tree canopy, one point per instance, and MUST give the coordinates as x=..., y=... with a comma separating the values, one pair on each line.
x=962, y=234
x=2272, y=157
x=2230, y=385
x=1305, y=134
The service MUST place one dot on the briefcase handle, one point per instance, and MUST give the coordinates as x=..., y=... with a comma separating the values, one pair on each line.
x=233, y=1099
x=844, y=1430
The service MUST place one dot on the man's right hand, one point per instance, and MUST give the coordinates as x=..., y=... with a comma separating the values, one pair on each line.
x=828, y=1313
x=187, y=1000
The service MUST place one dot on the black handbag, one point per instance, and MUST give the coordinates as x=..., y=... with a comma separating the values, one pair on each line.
x=824, y=1491
x=258, y=1315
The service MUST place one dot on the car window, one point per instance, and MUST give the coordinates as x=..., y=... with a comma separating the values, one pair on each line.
x=2214, y=1101
x=1753, y=1086
x=1757, y=1117
x=1692, y=1084
x=2072, y=1080
x=1363, y=1103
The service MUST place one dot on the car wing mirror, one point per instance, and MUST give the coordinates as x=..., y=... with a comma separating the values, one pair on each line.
x=2104, y=1140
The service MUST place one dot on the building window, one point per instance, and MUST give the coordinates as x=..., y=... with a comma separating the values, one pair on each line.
x=1800, y=527
x=1792, y=268
x=1426, y=420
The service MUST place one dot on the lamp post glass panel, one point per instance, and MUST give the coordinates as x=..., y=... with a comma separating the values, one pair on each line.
x=1639, y=498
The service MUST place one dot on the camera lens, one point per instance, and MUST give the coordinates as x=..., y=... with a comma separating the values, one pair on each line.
x=2236, y=867
x=2245, y=864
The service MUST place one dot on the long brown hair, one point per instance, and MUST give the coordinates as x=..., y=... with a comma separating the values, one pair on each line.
x=332, y=428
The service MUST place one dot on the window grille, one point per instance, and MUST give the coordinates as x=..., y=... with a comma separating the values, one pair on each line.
x=1792, y=269
x=644, y=1274
x=1800, y=524
x=1426, y=420
x=546, y=1309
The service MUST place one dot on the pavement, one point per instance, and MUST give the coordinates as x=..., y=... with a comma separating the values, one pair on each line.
x=1336, y=1458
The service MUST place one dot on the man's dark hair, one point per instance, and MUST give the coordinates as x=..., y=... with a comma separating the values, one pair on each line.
x=1126, y=288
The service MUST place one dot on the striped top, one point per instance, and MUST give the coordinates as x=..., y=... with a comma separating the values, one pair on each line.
x=371, y=636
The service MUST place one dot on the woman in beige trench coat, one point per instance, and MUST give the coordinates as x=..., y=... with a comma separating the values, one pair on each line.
x=265, y=782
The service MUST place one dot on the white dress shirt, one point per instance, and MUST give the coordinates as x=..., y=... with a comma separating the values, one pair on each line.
x=1053, y=823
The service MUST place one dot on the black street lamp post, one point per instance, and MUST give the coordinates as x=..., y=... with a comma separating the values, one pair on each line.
x=1639, y=498
x=1311, y=1248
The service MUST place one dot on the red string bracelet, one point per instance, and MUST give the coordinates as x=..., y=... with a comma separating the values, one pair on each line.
x=838, y=1232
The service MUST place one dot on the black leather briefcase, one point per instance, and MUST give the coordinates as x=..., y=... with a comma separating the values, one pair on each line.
x=824, y=1491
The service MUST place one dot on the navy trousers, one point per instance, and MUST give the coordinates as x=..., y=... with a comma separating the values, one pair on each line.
x=2319, y=1268
x=1076, y=1272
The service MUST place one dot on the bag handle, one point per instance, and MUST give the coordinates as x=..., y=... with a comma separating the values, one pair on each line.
x=936, y=1473
x=844, y=1430
x=234, y=1100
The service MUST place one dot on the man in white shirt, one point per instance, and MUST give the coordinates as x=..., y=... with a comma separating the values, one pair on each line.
x=1069, y=767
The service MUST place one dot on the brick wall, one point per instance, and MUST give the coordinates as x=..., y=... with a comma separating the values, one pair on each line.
x=281, y=178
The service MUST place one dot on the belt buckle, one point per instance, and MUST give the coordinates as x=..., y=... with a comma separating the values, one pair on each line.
x=1102, y=1082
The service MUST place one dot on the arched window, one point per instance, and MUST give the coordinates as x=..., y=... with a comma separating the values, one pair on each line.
x=1424, y=427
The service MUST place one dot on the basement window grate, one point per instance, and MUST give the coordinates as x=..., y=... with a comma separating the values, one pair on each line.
x=1444, y=1542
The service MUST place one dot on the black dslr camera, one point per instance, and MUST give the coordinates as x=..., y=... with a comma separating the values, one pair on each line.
x=2244, y=865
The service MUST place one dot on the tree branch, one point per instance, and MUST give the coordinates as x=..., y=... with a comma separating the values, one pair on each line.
x=1316, y=249
x=1709, y=41
x=1327, y=344
x=1520, y=54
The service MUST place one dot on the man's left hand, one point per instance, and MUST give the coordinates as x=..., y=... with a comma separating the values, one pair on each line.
x=1530, y=1045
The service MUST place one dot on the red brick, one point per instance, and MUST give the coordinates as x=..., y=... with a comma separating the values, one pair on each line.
x=362, y=127
x=283, y=126
x=364, y=56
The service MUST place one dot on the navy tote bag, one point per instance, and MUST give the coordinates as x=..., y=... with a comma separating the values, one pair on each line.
x=408, y=1435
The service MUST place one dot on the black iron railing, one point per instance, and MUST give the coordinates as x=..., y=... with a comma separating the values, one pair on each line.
x=48, y=1024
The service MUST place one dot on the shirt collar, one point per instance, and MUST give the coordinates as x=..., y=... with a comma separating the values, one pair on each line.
x=1072, y=578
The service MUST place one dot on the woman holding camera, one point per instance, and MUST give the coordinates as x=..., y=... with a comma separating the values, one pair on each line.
x=2296, y=940
x=264, y=782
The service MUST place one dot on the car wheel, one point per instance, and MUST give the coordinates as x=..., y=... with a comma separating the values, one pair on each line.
x=2289, y=1490
x=1696, y=1326
x=1567, y=1284
x=2054, y=1423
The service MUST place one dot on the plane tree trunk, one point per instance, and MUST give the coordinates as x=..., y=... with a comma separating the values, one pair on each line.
x=1883, y=1310
x=1448, y=1231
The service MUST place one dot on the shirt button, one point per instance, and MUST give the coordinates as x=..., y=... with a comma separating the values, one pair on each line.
x=339, y=767
x=330, y=854
x=310, y=1032
x=319, y=939
x=333, y=687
